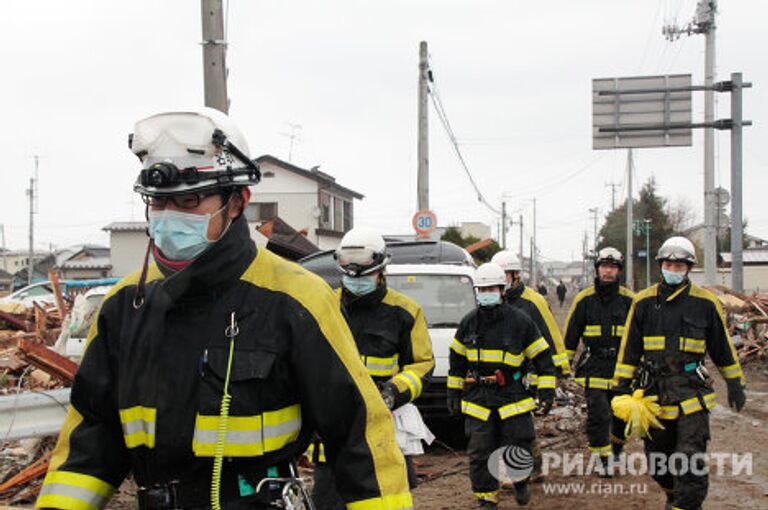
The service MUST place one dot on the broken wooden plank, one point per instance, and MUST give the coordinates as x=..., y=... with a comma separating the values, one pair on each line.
x=49, y=360
x=17, y=322
x=29, y=473
x=58, y=293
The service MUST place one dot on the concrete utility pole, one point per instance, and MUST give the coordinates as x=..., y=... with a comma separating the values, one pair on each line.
x=521, y=240
x=535, y=274
x=737, y=235
x=504, y=225
x=613, y=186
x=422, y=179
x=593, y=213
x=214, y=55
x=704, y=23
x=630, y=249
x=31, y=193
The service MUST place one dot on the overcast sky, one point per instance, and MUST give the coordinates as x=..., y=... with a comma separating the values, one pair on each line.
x=514, y=77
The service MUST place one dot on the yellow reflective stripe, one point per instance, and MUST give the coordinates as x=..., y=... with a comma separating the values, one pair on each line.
x=248, y=435
x=139, y=426
x=669, y=412
x=625, y=371
x=731, y=371
x=533, y=379
x=603, y=451
x=486, y=355
x=310, y=453
x=618, y=330
x=653, y=343
x=381, y=367
x=693, y=405
x=693, y=345
x=571, y=354
x=513, y=360
x=535, y=348
x=592, y=330
x=458, y=348
x=560, y=359
x=474, y=410
x=65, y=489
x=546, y=381
x=515, y=408
x=598, y=383
x=493, y=496
x=677, y=292
x=412, y=381
x=392, y=502
x=455, y=383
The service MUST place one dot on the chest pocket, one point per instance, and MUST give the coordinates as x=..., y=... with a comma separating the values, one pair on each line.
x=379, y=351
x=693, y=338
x=254, y=425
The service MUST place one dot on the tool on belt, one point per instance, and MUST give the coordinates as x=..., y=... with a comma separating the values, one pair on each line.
x=497, y=379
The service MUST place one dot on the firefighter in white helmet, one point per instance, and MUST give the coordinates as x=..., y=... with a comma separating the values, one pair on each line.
x=390, y=331
x=597, y=318
x=216, y=349
x=671, y=327
x=493, y=347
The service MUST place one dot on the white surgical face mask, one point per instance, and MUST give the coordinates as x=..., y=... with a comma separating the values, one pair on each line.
x=180, y=235
x=488, y=298
x=361, y=285
x=673, y=277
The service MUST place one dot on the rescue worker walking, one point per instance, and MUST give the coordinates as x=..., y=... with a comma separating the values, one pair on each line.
x=671, y=326
x=216, y=350
x=391, y=334
x=562, y=290
x=485, y=382
x=597, y=318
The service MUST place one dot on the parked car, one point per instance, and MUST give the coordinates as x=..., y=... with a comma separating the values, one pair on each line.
x=41, y=293
x=446, y=294
x=403, y=252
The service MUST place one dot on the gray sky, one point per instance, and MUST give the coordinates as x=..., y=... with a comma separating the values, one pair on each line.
x=514, y=77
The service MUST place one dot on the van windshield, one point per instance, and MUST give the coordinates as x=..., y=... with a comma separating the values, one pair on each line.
x=445, y=298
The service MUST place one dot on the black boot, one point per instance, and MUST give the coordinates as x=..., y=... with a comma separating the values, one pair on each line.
x=486, y=505
x=606, y=470
x=522, y=493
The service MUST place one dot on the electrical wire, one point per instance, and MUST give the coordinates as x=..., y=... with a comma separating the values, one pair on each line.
x=16, y=402
x=437, y=103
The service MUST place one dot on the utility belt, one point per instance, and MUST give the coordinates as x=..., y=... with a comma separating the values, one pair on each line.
x=650, y=373
x=196, y=493
x=499, y=378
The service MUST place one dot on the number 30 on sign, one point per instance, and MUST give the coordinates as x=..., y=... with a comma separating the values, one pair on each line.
x=424, y=222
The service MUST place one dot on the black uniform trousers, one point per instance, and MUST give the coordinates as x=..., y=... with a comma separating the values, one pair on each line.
x=603, y=427
x=487, y=436
x=688, y=435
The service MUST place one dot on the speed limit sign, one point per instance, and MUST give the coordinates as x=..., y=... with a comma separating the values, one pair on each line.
x=424, y=223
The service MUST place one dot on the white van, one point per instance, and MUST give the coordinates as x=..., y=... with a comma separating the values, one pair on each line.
x=446, y=293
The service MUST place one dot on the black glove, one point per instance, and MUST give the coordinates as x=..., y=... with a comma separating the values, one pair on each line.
x=546, y=399
x=389, y=394
x=736, y=396
x=454, y=405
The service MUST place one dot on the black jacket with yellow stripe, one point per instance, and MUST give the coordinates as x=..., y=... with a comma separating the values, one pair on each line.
x=147, y=396
x=536, y=307
x=497, y=338
x=672, y=329
x=391, y=334
x=597, y=317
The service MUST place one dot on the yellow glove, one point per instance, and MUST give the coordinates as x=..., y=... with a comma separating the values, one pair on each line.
x=639, y=412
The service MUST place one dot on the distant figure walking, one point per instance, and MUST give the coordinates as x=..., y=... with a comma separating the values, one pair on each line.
x=542, y=289
x=561, y=292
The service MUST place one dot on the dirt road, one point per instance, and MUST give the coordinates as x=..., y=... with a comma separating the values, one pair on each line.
x=731, y=433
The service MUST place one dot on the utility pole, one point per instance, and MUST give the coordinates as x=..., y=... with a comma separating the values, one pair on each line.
x=630, y=249
x=5, y=255
x=422, y=179
x=31, y=193
x=214, y=55
x=704, y=23
x=593, y=212
x=584, y=259
x=521, y=240
x=613, y=186
x=503, y=225
x=533, y=248
x=737, y=262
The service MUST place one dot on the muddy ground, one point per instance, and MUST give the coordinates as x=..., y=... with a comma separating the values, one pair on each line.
x=731, y=432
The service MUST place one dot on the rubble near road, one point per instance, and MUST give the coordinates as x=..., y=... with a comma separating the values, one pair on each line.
x=747, y=317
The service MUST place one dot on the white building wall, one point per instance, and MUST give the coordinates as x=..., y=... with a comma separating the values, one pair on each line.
x=299, y=210
x=127, y=249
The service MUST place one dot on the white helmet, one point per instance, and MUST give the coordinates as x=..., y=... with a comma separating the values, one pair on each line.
x=609, y=255
x=193, y=150
x=507, y=260
x=677, y=249
x=362, y=252
x=490, y=274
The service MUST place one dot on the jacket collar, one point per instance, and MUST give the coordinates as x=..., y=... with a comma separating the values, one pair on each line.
x=606, y=290
x=513, y=293
x=351, y=301
x=673, y=292
x=219, y=266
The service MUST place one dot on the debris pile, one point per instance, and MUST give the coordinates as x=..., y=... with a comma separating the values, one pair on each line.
x=747, y=318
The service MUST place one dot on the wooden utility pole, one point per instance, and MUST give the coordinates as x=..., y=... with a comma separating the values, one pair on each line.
x=422, y=179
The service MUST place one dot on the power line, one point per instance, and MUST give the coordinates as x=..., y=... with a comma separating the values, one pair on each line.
x=441, y=114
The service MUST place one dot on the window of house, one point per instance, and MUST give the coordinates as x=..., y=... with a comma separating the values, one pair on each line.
x=325, y=211
x=338, y=212
x=348, y=224
x=261, y=211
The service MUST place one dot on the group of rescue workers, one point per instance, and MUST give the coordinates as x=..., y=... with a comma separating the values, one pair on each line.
x=211, y=370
